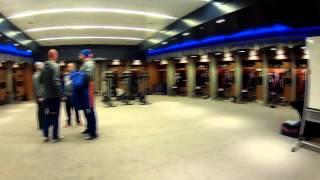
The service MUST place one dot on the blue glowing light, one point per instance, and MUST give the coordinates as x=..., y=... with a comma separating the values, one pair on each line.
x=12, y=50
x=250, y=34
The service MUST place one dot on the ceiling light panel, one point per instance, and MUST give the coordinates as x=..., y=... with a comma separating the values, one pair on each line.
x=219, y=21
x=147, y=15
x=186, y=34
x=89, y=27
x=89, y=10
x=89, y=37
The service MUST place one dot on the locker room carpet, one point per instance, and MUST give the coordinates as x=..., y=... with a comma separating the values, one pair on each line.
x=174, y=138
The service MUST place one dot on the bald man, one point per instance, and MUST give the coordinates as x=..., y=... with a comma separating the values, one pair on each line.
x=50, y=79
x=67, y=92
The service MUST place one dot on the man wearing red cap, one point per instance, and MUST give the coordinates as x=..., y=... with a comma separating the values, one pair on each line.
x=51, y=82
x=88, y=67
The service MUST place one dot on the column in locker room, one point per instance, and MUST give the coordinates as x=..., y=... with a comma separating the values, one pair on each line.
x=213, y=77
x=171, y=72
x=191, y=77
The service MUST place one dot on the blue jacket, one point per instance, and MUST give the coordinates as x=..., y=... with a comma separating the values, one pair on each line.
x=80, y=94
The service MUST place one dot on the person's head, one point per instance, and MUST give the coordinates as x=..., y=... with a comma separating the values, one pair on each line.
x=85, y=55
x=39, y=66
x=53, y=55
x=71, y=67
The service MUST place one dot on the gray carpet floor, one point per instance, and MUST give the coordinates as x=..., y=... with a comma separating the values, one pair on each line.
x=174, y=138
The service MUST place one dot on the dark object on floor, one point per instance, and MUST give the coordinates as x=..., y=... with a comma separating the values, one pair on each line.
x=273, y=106
x=292, y=128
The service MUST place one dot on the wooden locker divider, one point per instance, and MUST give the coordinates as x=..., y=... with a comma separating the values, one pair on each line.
x=154, y=76
x=28, y=84
x=19, y=83
x=3, y=92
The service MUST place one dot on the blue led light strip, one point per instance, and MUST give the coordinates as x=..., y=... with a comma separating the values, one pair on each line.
x=250, y=34
x=12, y=50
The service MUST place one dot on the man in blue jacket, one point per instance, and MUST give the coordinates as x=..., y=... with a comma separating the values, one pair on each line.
x=88, y=68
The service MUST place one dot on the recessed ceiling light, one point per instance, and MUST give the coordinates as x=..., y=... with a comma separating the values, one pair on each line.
x=219, y=21
x=303, y=47
x=273, y=49
x=186, y=34
x=241, y=51
x=218, y=53
x=29, y=50
x=217, y=3
x=89, y=27
x=194, y=56
x=164, y=43
x=163, y=62
x=116, y=62
x=16, y=44
x=137, y=62
x=89, y=37
x=150, y=49
x=204, y=59
x=89, y=10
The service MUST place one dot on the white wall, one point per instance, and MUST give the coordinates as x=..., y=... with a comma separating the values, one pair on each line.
x=313, y=44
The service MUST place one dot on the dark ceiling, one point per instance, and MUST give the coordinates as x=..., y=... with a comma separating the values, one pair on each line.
x=263, y=13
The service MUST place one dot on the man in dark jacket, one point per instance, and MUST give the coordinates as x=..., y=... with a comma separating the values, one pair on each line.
x=51, y=82
x=88, y=67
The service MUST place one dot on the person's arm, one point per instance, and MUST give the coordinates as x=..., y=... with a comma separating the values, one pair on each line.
x=41, y=87
x=90, y=71
x=35, y=81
